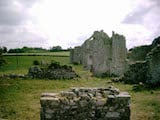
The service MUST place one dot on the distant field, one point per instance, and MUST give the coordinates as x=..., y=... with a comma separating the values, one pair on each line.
x=19, y=99
x=65, y=53
x=20, y=64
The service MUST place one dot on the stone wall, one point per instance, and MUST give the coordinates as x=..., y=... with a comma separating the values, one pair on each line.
x=148, y=70
x=86, y=104
x=75, y=55
x=118, y=64
x=52, y=71
x=102, y=54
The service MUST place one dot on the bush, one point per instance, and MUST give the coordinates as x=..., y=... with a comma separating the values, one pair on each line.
x=75, y=63
x=2, y=60
x=137, y=73
x=54, y=65
x=36, y=62
x=107, y=74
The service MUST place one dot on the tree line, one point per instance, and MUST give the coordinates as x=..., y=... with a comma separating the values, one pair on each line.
x=33, y=49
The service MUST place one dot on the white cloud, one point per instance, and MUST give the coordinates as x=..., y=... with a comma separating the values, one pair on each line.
x=66, y=21
x=69, y=22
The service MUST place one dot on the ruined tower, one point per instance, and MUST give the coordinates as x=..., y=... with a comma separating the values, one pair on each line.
x=118, y=63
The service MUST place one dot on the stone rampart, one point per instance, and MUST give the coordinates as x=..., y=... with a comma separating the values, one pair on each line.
x=86, y=104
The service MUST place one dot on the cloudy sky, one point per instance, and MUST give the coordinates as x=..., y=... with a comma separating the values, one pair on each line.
x=46, y=23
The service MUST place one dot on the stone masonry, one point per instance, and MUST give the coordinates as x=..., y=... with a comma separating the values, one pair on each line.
x=102, y=54
x=75, y=55
x=144, y=65
x=52, y=71
x=86, y=104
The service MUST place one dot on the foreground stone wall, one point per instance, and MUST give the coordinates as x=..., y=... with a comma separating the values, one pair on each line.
x=86, y=104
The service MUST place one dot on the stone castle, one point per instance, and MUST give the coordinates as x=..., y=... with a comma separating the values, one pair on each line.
x=102, y=54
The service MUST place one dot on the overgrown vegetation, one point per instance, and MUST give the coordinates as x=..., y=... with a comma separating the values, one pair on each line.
x=139, y=53
x=36, y=62
x=137, y=73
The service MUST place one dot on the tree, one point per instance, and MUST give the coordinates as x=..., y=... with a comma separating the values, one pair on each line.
x=4, y=49
x=56, y=48
x=2, y=60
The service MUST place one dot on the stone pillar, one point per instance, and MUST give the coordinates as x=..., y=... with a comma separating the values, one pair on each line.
x=118, y=66
x=71, y=55
x=75, y=55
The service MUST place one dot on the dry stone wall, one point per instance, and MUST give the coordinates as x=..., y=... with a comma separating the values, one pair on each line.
x=102, y=54
x=86, y=104
x=53, y=71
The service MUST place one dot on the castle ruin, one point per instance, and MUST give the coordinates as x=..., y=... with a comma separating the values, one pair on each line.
x=102, y=54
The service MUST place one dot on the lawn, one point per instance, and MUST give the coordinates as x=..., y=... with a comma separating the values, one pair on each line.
x=19, y=99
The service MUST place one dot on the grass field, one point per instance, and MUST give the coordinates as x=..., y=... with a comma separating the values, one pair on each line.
x=19, y=99
x=65, y=53
x=20, y=64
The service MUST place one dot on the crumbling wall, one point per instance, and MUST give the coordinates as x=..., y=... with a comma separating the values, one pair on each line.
x=75, y=55
x=86, y=104
x=102, y=54
x=53, y=71
x=147, y=71
x=118, y=64
x=96, y=53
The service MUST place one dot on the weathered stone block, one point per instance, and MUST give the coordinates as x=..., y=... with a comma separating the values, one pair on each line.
x=69, y=105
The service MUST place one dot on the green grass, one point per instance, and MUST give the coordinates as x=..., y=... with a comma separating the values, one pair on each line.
x=61, y=53
x=19, y=99
x=20, y=64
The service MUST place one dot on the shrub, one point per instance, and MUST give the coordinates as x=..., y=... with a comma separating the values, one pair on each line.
x=137, y=73
x=54, y=65
x=2, y=60
x=36, y=62
x=107, y=74
x=75, y=63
